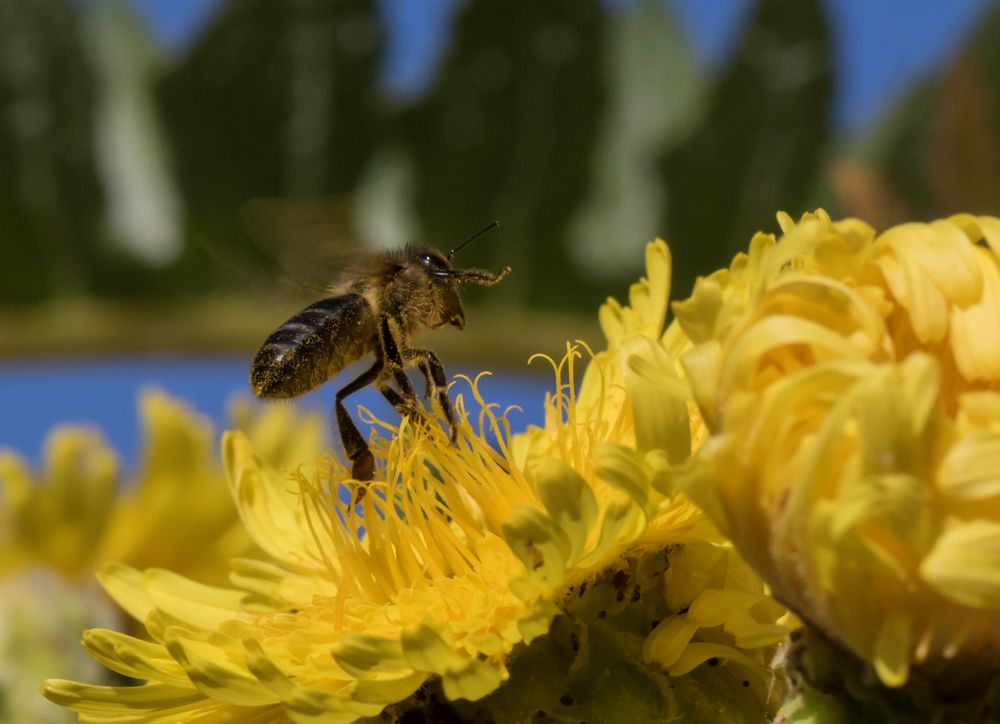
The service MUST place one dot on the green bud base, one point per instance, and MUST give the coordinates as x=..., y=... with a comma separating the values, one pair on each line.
x=830, y=685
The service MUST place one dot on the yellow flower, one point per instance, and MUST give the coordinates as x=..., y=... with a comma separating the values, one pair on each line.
x=851, y=383
x=456, y=562
x=176, y=513
x=58, y=526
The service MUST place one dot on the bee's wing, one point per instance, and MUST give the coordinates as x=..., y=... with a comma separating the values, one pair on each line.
x=303, y=244
x=310, y=238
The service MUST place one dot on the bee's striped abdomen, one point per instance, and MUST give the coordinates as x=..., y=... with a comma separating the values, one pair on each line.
x=312, y=346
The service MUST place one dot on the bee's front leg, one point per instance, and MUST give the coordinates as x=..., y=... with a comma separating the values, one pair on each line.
x=405, y=400
x=437, y=384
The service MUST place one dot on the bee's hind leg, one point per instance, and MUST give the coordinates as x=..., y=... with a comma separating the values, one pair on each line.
x=362, y=460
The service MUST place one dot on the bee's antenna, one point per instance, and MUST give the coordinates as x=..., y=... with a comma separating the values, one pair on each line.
x=472, y=238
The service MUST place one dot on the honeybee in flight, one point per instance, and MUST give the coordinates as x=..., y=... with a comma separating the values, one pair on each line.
x=377, y=305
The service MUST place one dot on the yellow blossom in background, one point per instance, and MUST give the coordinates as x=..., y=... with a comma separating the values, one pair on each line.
x=59, y=525
x=518, y=573
x=851, y=383
x=76, y=514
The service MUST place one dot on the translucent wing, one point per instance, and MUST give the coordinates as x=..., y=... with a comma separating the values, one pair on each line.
x=314, y=230
x=301, y=243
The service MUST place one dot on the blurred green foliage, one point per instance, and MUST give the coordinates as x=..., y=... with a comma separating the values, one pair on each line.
x=504, y=134
x=276, y=99
x=585, y=129
x=49, y=193
x=761, y=143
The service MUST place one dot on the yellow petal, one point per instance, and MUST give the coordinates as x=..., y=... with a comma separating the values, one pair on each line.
x=194, y=603
x=668, y=640
x=698, y=653
x=125, y=585
x=269, y=505
x=216, y=675
x=537, y=622
x=620, y=520
x=104, y=703
x=971, y=468
x=472, y=682
x=652, y=306
x=964, y=565
x=134, y=657
x=541, y=546
x=387, y=689
x=610, y=318
x=703, y=367
x=659, y=404
x=751, y=635
x=623, y=468
x=462, y=678
x=281, y=434
x=975, y=339
x=716, y=607
x=266, y=671
x=697, y=314
x=568, y=499
x=177, y=441
x=893, y=648
x=67, y=516
x=364, y=656
x=312, y=706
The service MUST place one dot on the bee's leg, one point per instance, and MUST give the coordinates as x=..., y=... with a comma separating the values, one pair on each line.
x=362, y=460
x=395, y=399
x=437, y=384
x=394, y=366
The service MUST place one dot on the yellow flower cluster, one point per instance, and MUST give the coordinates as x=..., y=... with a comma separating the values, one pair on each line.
x=851, y=383
x=457, y=558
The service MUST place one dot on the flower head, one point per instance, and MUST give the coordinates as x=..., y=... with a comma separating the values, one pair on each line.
x=851, y=382
x=76, y=514
x=458, y=559
x=61, y=524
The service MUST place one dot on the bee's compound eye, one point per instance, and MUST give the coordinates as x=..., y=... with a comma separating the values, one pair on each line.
x=433, y=262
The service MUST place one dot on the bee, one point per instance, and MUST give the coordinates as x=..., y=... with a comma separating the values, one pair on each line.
x=376, y=306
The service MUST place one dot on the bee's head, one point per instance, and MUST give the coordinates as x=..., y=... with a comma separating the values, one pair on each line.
x=444, y=282
x=446, y=279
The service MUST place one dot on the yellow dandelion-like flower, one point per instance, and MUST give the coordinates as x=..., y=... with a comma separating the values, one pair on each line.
x=537, y=572
x=60, y=524
x=851, y=382
x=73, y=516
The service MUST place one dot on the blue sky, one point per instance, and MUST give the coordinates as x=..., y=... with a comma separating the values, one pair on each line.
x=881, y=45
